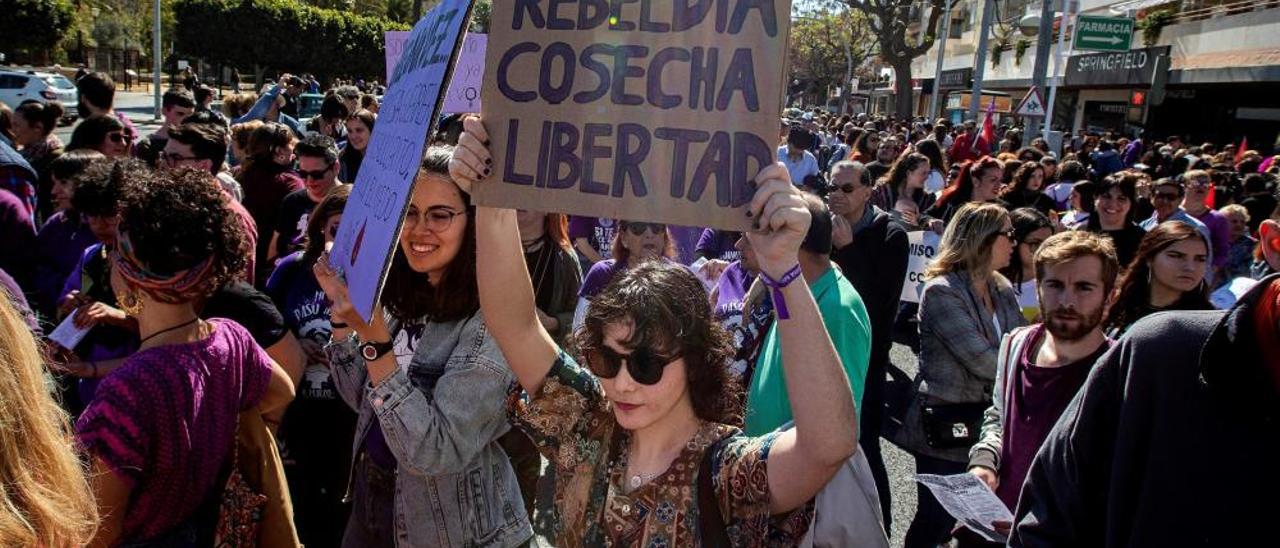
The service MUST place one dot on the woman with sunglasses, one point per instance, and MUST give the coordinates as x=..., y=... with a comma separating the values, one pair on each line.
x=316, y=433
x=1168, y=273
x=634, y=243
x=429, y=385
x=359, y=132
x=103, y=133
x=640, y=438
x=317, y=165
x=1030, y=229
x=161, y=431
x=268, y=177
x=966, y=308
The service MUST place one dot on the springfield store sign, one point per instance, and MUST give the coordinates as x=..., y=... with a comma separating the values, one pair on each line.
x=1129, y=68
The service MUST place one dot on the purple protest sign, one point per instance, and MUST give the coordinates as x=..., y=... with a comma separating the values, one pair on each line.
x=468, y=72
x=371, y=222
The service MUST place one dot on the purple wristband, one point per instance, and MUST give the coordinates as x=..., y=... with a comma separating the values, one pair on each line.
x=775, y=289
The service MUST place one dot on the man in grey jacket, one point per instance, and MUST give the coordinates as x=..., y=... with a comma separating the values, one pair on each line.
x=1041, y=367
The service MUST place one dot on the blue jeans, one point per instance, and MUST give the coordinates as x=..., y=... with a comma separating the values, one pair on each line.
x=372, y=523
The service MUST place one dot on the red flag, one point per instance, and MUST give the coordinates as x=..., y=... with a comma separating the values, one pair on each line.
x=1244, y=145
x=988, y=135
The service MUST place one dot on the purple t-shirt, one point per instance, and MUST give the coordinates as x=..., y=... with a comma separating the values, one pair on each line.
x=9, y=289
x=685, y=239
x=719, y=244
x=745, y=331
x=59, y=247
x=599, y=276
x=598, y=232
x=1035, y=398
x=17, y=237
x=165, y=421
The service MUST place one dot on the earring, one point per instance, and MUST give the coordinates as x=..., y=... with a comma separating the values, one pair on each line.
x=130, y=303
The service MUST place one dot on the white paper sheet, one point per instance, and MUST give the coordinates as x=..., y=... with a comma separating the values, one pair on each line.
x=970, y=501
x=67, y=334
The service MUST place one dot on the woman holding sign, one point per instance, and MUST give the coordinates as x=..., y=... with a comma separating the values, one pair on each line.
x=638, y=434
x=429, y=384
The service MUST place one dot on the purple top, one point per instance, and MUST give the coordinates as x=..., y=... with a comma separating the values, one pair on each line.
x=731, y=289
x=17, y=237
x=599, y=276
x=686, y=242
x=59, y=247
x=1220, y=233
x=598, y=232
x=19, y=302
x=165, y=421
x=1036, y=397
x=719, y=244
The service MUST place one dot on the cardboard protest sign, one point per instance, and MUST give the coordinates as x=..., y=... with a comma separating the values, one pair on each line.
x=371, y=222
x=468, y=71
x=646, y=110
x=922, y=247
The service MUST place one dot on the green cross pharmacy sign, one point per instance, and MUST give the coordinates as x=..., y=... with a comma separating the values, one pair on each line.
x=1096, y=33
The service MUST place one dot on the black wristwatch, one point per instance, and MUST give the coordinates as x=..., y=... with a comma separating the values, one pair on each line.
x=374, y=350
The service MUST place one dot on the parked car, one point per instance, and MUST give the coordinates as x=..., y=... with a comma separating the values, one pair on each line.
x=24, y=86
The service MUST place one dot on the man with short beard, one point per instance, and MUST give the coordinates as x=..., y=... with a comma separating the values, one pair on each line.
x=1042, y=366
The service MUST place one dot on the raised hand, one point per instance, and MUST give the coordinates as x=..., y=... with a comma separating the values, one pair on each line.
x=471, y=161
x=780, y=218
x=341, y=311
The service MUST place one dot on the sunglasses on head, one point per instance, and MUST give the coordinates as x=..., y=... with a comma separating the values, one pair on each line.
x=643, y=365
x=117, y=138
x=638, y=229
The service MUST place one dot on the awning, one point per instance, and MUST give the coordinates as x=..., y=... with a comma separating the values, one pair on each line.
x=1241, y=66
x=1135, y=5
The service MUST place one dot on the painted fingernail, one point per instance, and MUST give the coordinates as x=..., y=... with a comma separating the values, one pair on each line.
x=486, y=172
x=488, y=161
x=748, y=212
x=486, y=142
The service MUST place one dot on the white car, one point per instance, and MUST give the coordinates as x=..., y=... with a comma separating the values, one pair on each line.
x=24, y=86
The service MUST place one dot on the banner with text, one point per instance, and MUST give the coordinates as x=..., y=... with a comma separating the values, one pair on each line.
x=922, y=248
x=653, y=111
x=370, y=229
x=468, y=72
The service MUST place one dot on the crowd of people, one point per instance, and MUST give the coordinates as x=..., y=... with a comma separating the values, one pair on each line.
x=601, y=381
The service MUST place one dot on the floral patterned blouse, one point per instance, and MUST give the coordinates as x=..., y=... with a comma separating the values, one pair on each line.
x=573, y=425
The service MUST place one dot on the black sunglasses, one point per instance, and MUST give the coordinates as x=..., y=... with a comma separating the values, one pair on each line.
x=642, y=364
x=313, y=175
x=638, y=229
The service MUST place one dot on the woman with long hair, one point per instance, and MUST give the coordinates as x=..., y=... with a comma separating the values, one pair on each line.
x=633, y=244
x=429, y=384
x=1113, y=207
x=1030, y=229
x=1168, y=273
x=238, y=149
x=64, y=237
x=267, y=177
x=640, y=434
x=1027, y=189
x=103, y=133
x=938, y=166
x=318, y=428
x=161, y=430
x=966, y=308
x=359, y=132
x=45, y=500
x=33, y=125
x=864, y=149
x=906, y=179
x=979, y=181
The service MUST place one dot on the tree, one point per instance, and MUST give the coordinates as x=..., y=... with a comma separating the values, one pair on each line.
x=827, y=47
x=33, y=25
x=889, y=21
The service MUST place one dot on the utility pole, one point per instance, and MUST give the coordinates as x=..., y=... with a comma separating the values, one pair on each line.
x=1068, y=14
x=980, y=58
x=155, y=56
x=1044, y=39
x=937, y=71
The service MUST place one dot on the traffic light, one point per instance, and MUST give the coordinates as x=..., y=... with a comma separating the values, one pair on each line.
x=1138, y=98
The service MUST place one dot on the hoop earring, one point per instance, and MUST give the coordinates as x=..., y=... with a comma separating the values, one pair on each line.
x=130, y=303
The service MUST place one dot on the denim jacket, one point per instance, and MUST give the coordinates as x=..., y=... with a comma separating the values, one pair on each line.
x=442, y=420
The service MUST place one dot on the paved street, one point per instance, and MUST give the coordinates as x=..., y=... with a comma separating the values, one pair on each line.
x=139, y=107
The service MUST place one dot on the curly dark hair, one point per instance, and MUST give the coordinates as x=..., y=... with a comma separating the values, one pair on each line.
x=176, y=219
x=100, y=189
x=670, y=314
